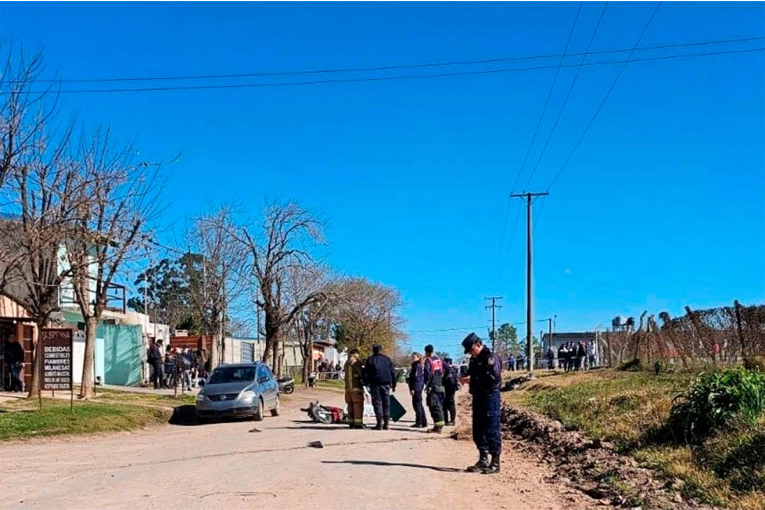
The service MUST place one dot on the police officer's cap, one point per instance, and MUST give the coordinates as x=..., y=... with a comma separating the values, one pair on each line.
x=469, y=342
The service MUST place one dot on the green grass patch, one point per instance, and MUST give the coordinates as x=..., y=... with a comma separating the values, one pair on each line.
x=127, y=397
x=22, y=419
x=632, y=410
x=331, y=384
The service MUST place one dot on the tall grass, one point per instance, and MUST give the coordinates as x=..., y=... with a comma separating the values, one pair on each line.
x=714, y=400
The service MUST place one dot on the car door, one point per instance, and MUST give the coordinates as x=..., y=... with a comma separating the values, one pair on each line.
x=272, y=387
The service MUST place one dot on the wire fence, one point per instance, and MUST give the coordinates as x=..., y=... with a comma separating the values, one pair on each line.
x=729, y=335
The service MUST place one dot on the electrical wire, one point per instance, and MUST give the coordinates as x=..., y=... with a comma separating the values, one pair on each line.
x=533, y=139
x=605, y=98
x=549, y=95
x=565, y=100
x=394, y=78
x=266, y=74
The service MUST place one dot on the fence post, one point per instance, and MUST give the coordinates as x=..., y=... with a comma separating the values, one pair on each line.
x=740, y=328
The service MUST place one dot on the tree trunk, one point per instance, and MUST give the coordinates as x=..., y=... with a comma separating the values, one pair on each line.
x=34, y=385
x=91, y=326
x=214, y=350
x=307, y=361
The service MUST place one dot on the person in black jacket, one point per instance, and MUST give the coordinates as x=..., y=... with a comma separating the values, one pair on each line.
x=380, y=375
x=416, y=382
x=451, y=387
x=485, y=377
x=14, y=356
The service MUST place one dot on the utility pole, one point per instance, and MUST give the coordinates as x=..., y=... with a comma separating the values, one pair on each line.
x=493, y=307
x=529, y=197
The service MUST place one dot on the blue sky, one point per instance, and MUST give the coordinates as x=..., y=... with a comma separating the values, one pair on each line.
x=662, y=205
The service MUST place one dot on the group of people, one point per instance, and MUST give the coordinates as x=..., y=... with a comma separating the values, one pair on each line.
x=172, y=367
x=576, y=356
x=516, y=362
x=438, y=379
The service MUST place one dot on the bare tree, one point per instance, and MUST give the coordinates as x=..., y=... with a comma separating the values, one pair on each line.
x=223, y=260
x=38, y=179
x=284, y=240
x=315, y=319
x=117, y=199
x=367, y=314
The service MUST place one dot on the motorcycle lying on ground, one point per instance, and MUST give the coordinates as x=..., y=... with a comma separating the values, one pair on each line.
x=286, y=385
x=325, y=414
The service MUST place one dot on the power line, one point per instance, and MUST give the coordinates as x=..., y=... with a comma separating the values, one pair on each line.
x=565, y=100
x=396, y=78
x=549, y=95
x=605, y=98
x=393, y=67
x=534, y=137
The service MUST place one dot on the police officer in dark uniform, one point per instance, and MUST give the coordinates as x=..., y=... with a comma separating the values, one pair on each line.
x=434, y=388
x=485, y=374
x=380, y=374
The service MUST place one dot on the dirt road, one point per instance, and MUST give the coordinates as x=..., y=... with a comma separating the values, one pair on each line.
x=223, y=465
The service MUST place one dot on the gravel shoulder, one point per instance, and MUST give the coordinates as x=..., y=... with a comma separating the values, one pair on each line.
x=225, y=465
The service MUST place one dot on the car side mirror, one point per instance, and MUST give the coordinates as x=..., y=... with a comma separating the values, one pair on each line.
x=201, y=383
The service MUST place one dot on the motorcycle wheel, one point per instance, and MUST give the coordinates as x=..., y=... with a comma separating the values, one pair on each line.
x=289, y=389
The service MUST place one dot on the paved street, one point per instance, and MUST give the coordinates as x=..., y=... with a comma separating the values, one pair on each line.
x=224, y=465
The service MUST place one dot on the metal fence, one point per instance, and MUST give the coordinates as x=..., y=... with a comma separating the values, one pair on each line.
x=716, y=336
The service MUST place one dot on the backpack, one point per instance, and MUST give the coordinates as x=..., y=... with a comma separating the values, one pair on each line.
x=451, y=380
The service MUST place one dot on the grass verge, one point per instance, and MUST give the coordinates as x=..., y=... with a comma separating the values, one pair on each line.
x=22, y=419
x=631, y=410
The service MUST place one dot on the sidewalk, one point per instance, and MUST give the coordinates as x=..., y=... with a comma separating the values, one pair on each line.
x=145, y=390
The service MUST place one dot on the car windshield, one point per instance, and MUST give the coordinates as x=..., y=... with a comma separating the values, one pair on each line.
x=223, y=375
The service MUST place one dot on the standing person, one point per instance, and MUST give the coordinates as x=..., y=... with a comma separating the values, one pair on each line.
x=380, y=374
x=416, y=382
x=14, y=356
x=550, y=358
x=162, y=374
x=511, y=362
x=485, y=377
x=565, y=356
x=591, y=355
x=561, y=362
x=434, y=389
x=155, y=360
x=581, y=356
x=354, y=390
x=451, y=387
x=186, y=362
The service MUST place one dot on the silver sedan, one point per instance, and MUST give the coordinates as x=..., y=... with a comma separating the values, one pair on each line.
x=243, y=389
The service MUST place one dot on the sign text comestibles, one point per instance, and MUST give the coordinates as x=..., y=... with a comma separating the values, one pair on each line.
x=57, y=359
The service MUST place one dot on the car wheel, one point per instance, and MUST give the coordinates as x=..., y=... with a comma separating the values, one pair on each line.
x=258, y=416
x=277, y=408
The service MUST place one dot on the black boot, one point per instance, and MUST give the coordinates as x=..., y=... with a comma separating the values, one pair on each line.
x=385, y=424
x=483, y=463
x=493, y=468
x=379, y=425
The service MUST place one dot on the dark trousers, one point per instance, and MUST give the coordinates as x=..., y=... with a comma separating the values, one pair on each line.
x=156, y=376
x=486, y=414
x=381, y=401
x=450, y=406
x=419, y=410
x=436, y=406
x=16, y=384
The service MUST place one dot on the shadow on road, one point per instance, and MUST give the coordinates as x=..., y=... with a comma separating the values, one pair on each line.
x=185, y=416
x=312, y=427
x=392, y=464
